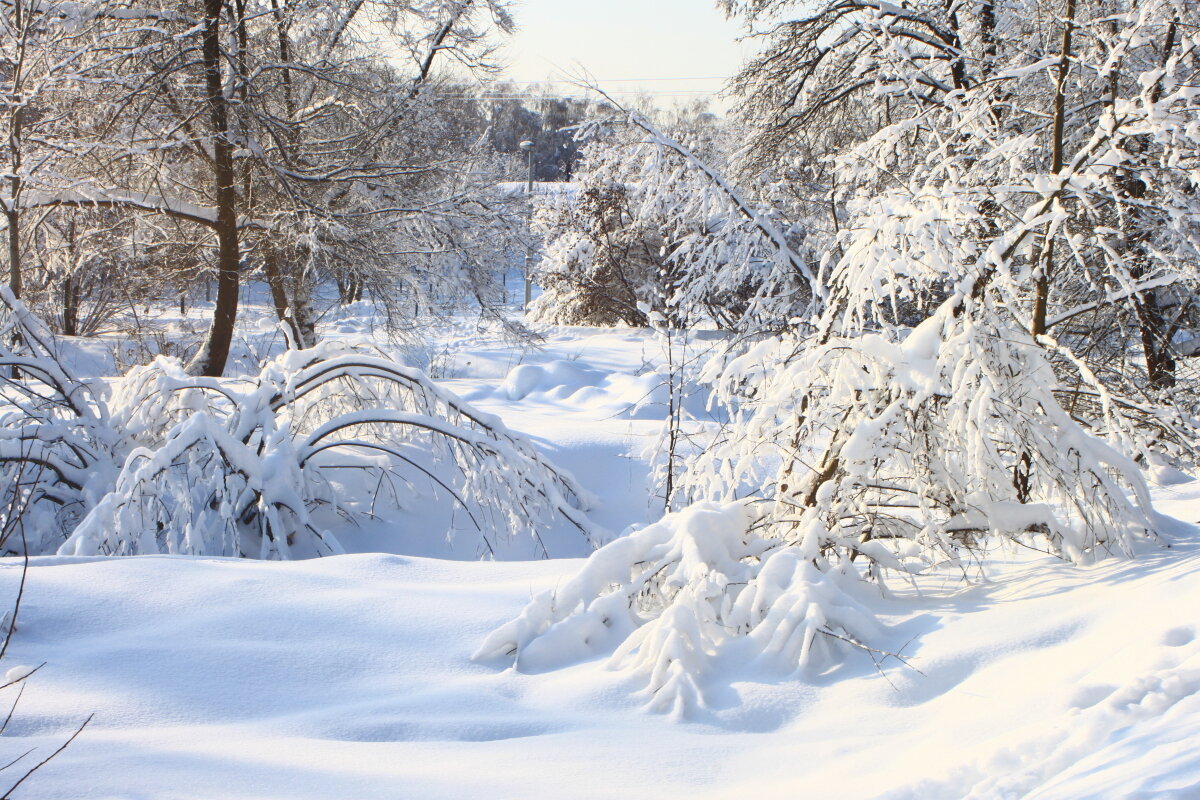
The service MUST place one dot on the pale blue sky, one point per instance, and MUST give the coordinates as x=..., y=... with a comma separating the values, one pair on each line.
x=618, y=41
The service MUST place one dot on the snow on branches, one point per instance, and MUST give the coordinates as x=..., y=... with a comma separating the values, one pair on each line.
x=650, y=222
x=1009, y=226
x=165, y=462
x=57, y=440
x=674, y=598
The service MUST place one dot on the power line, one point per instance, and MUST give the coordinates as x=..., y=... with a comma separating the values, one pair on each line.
x=626, y=80
x=583, y=94
x=486, y=98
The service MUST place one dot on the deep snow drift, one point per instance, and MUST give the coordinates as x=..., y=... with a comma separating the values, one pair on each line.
x=351, y=676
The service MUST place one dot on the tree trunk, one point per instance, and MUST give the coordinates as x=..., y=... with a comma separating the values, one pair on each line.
x=1156, y=328
x=288, y=312
x=302, y=312
x=210, y=361
x=349, y=289
x=14, y=248
x=14, y=148
x=1156, y=345
x=1045, y=260
x=285, y=56
x=70, y=313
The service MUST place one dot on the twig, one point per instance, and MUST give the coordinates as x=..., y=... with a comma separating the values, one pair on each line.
x=47, y=759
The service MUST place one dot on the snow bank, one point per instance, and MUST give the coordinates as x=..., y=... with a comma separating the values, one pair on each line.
x=351, y=677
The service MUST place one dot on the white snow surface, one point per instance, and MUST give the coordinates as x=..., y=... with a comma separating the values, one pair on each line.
x=351, y=676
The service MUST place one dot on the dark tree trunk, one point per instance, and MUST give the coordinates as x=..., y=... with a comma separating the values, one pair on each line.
x=14, y=250
x=275, y=282
x=1045, y=264
x=286, y=311
x=14, y=146
x=70, y=313
x=1155, y=328
x=350, y=289
x=214, y=354
x=71, y=293
x=1156, y=345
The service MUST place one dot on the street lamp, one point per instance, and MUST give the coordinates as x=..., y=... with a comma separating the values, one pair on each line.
x=527, y=146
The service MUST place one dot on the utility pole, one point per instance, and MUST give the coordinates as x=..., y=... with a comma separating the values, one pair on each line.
x=527, y=146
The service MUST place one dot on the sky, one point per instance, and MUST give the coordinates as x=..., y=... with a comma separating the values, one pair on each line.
x=676, y=50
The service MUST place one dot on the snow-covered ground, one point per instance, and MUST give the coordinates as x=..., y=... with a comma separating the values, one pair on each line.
x=351, y=676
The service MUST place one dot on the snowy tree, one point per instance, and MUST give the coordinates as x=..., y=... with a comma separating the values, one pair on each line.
x=998, y=93
x=652, y=221
x=46, y=51
x=924, y=411
x=295, y=103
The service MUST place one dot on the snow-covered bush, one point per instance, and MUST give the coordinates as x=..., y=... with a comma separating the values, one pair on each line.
x=58, y=445
x=674, y=598
x=914, y=453
x=165, y=462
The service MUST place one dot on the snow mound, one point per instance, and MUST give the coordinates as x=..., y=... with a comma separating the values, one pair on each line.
x=617, y=394
x=559, y=379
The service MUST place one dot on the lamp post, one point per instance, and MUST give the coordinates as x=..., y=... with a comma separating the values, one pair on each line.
x=527, y=146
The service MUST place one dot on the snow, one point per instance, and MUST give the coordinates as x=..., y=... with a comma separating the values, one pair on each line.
x=84, y=196
x=352, y=675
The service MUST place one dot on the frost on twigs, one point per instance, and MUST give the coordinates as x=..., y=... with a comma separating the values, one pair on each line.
x=57, y=441
x=164, y=462
x=237, y=468
x=670, y=601
x=917, y=452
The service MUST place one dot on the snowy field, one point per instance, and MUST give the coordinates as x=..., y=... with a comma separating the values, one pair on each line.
x=351, y=676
